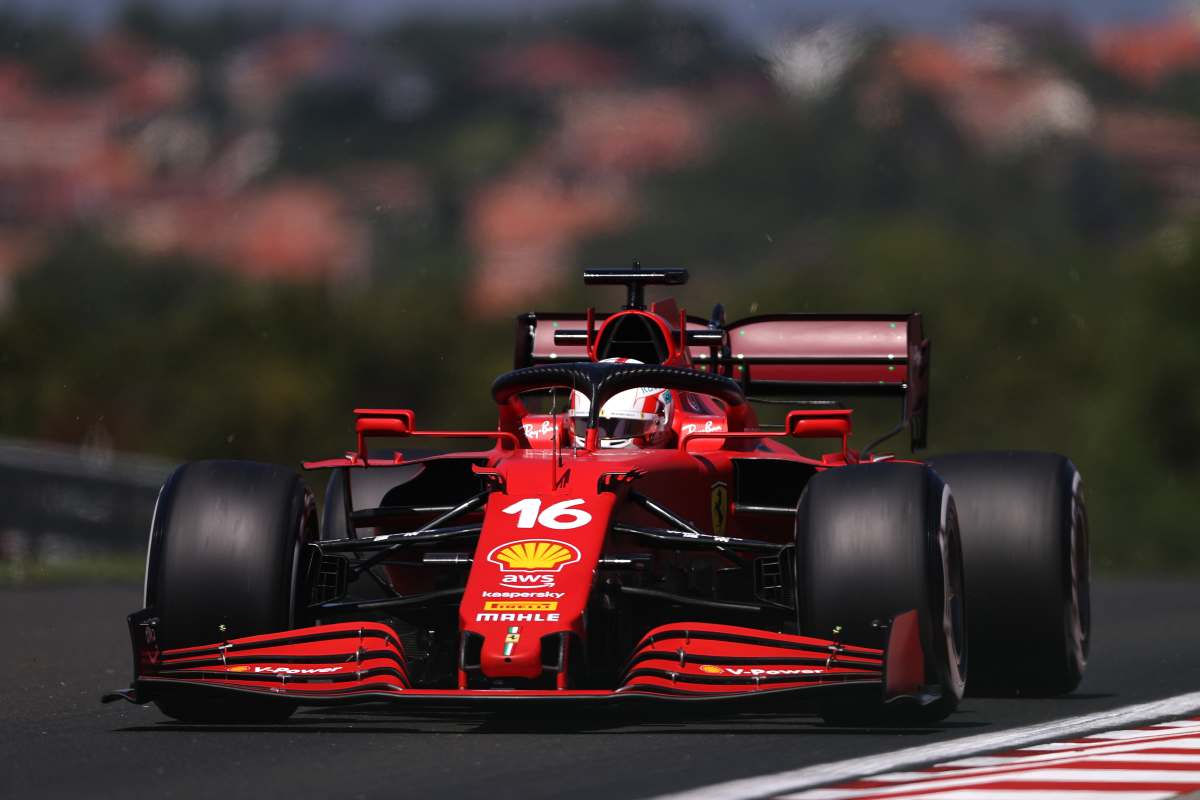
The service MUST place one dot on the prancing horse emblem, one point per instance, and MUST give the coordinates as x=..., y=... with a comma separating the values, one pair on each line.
x=720, y=508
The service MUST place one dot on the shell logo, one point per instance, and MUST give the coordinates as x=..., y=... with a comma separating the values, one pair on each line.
x=238, y=669
x=534, y=555
x=710, y=669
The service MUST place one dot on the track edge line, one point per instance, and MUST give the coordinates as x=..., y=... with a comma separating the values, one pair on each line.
x=776, y=783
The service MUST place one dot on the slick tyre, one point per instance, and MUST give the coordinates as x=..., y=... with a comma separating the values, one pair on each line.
x=1025, y=544
x=873, y=541
x=224, y=562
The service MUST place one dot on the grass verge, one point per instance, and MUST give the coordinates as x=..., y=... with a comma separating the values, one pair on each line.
x=107, y=568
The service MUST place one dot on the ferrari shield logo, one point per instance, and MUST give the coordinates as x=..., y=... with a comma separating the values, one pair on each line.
x=719, y=504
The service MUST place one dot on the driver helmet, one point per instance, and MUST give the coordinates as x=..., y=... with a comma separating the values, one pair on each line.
x=633, y=418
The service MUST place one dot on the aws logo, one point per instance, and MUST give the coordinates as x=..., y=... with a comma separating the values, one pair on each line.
x=534, y=555
x=528, y=580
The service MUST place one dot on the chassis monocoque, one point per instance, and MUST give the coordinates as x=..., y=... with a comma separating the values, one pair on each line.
x=545, y=567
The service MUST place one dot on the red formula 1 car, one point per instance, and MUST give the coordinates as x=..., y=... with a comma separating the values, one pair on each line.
x=631, y=533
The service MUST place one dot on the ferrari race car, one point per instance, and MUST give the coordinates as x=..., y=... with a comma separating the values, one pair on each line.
x=629, y=531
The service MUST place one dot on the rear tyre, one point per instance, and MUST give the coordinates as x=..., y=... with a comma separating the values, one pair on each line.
x=873, y=541
x=1025, y=542
x=224, y=562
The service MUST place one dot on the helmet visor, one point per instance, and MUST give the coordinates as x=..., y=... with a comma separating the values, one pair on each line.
x=622, y=428
x=618, y=427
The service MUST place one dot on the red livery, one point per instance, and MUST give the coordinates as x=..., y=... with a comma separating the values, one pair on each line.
x=629, y=530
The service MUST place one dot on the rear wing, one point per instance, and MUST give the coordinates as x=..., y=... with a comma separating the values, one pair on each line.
x=778, y=356
x=802, y=356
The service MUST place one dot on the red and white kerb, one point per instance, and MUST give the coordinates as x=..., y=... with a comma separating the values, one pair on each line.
x=1158, y=761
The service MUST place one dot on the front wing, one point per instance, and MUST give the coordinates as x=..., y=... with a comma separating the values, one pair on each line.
x=364, y=662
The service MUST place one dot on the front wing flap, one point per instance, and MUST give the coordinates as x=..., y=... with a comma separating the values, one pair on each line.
x=365, y=662
x=701, y=659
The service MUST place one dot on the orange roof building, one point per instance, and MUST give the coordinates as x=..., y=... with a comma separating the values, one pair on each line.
x=1146, y=54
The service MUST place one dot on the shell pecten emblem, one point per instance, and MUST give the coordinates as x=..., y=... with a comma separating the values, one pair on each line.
x=534, y=555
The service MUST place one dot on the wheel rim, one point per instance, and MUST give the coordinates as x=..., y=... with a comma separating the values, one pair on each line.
x=305, y=534
x=1078, y=609
x=953, y=612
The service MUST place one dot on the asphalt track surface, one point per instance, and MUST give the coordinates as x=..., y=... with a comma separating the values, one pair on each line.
x=62, y=648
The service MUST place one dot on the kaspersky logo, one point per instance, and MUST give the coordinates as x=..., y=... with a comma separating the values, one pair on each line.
x=534, y=555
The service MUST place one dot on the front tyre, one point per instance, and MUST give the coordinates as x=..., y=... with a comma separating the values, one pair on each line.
x=224, y=562
x=873, y=541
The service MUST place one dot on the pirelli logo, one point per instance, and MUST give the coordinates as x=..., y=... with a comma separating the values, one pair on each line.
x=520, y=605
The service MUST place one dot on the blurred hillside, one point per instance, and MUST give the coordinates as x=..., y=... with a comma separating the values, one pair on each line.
x=219, y=234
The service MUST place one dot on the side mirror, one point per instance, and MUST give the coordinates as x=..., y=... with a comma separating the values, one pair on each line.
x=393, y=421
x=833, y=423
x=382, y=422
